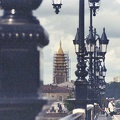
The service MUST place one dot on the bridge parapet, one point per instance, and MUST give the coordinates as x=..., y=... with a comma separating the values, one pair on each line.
x=81, y=114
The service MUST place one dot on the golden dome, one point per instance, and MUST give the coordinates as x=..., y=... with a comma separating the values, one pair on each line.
x=60, y=51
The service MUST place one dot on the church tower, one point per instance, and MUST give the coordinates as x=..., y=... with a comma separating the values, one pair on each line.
x=60, y=67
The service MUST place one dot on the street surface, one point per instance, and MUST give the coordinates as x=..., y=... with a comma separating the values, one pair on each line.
x=116, y=117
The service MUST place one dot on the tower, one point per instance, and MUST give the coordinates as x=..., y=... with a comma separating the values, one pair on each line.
x=60, y=66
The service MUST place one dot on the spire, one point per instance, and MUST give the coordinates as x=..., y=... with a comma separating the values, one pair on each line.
x=60, y=51
x=60, y=43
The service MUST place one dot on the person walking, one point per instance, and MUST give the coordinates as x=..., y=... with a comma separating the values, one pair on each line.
x=111, y=107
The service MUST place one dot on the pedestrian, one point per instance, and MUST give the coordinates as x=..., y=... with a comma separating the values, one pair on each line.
x=106, y=107
x=111, y=107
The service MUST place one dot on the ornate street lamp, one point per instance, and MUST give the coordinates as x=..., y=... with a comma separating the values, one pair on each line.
x=94, y=5
x=96, y=48
x=57, y=5
x=92, y=48
x=80, y=83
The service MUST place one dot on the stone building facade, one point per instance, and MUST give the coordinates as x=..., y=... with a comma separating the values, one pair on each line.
x=56, y=92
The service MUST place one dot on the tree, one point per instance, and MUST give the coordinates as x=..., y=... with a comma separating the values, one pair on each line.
x=113, y=90
x=70, y=106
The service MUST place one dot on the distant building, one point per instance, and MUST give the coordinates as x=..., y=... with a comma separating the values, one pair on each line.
x=56, y=92
x=116, y=79
x=57, y=110
x=60, y=67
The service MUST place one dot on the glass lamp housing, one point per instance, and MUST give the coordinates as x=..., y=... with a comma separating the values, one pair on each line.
x=90, y=48
x=104, y=71
x=76, y=48
x=76, y=44
x=94, y=4
x=90, y=44
x=57, y=1
x=103, y=48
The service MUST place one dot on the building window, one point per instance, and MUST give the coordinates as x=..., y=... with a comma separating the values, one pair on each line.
x=60, y=98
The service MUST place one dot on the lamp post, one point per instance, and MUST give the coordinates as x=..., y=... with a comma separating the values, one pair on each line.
x=81, y=83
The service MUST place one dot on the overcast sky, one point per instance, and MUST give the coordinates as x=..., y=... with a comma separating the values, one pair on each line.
x=64, y=26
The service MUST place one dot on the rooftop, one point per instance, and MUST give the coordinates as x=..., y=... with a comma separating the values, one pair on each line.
x=55, y=89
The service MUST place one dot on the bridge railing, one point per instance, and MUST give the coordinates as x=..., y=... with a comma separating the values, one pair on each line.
x=78, y=114
x=81, y=114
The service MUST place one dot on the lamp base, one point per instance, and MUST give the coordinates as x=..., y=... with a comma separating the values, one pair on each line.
x=20, y=109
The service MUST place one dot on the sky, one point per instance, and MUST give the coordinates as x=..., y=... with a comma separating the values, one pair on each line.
x=64, y=26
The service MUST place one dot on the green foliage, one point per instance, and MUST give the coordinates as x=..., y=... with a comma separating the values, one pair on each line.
x=117, y=104
x=70, y=106
x=113, y=90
